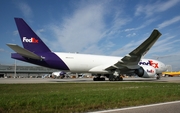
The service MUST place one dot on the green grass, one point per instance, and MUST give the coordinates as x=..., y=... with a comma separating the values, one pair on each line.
x=83, y=97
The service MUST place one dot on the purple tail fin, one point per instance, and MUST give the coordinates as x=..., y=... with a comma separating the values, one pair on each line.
x=29, y=39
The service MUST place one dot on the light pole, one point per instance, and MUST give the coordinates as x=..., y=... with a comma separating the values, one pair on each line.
x=15, y=70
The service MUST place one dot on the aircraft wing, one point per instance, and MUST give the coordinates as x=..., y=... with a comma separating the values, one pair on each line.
x=24, y=52
x=132, y=59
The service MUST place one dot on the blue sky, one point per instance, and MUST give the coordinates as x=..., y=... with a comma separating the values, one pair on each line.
x=104, y=27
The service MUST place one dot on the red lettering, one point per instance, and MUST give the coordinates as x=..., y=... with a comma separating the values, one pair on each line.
x=150, y=62
x=34, y=40
x=156, y=65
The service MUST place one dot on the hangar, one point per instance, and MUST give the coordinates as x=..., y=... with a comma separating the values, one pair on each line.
x=12, y=71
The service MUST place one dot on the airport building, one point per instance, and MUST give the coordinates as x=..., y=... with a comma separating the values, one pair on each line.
x=12, y=71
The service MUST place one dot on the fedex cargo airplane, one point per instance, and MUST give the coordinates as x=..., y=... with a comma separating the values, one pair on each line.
x=36, y=52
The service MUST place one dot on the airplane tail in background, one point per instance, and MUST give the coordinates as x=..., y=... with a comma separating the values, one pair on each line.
x=29, y=39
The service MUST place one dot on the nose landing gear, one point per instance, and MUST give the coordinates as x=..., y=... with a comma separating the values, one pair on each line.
x=158, y=76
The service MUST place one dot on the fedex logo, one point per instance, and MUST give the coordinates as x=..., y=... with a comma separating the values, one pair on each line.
x=151, y=63
x=31, y=40
x=150, y=71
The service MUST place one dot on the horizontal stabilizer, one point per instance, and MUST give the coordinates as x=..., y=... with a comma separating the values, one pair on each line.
x=24, y=52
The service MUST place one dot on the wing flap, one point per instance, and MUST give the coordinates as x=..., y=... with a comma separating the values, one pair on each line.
x=24, y=52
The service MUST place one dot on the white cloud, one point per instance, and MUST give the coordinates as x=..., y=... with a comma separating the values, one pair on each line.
x=153, y=8
x=163, y=46
x=15, y=32
x=40, y=32
x=143, y=25
x=119, y=21
x=1, y=50
x=127, y=48
x=166, y=5
x=93, y=49
x=169, y=22
x=129, y=29
x=81, y=30
x=25, y=9
x=86, y=28
x=131, y=35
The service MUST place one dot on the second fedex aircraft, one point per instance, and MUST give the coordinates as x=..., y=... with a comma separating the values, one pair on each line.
x=36, y=52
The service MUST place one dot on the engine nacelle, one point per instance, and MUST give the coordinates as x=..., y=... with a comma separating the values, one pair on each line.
x=146, y=72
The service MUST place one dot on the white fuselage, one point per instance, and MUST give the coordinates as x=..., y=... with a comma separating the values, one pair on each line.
x=85, y=62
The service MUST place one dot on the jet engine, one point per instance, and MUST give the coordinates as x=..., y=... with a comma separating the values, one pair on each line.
x=146, y=72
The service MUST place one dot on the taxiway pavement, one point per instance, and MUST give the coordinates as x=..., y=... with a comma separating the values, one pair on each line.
x=166, y=107
x=50, y=80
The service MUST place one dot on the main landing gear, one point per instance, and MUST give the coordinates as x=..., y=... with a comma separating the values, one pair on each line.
x=99, y=79
x=115, y=78
x=111, y=78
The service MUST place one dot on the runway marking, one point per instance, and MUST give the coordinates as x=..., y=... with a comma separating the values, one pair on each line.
x=129, y=108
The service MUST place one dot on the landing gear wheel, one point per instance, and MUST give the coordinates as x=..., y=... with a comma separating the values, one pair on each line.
x=98, y=79
x=95, y=79
x=119, y=78
x=111, y=78
x=115, y=78
x=101, y=79
x=158, y=77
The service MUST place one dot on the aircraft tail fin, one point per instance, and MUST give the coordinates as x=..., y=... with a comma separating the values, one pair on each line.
x=29, y=38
